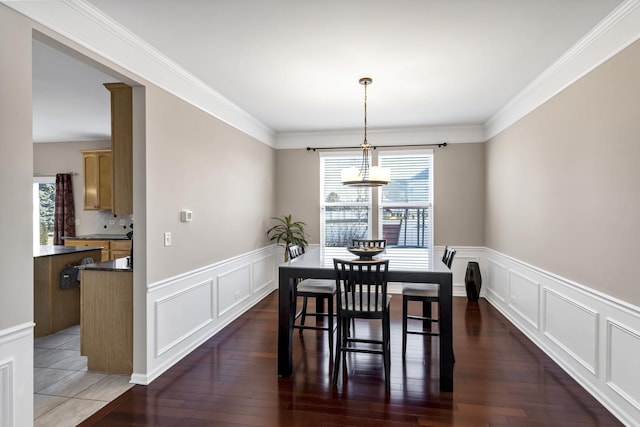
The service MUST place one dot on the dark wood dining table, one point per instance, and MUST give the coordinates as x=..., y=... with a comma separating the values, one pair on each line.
x=416, y=265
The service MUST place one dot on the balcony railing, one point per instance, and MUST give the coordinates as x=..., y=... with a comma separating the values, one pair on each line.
x=401, y=226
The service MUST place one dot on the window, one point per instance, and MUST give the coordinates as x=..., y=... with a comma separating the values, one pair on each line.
x=345, y=211
x=405, y=203
x=404, y=206
x=44, y=201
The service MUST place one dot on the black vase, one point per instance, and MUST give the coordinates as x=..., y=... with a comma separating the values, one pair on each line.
x=473, y=281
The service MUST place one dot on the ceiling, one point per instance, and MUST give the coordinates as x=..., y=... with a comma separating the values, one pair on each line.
x=294, y=65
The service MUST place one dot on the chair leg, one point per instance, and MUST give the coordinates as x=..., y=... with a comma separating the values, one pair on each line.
x=404, y=326
x=330, y=316
x=304, y=312
x=336, y=365
x=386, y=344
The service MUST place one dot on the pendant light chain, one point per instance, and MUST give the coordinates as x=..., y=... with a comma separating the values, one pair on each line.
x=365, y=113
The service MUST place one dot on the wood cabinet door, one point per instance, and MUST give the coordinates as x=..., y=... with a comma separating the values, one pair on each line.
x=105, y=193
x=98, y=193
x=91, y=178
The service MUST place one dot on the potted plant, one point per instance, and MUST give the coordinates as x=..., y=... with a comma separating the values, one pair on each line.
x=287, y=232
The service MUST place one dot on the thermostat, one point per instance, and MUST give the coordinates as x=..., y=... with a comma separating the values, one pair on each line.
x=186, y=216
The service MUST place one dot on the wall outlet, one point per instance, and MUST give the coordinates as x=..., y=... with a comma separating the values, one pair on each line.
x=112, y=222
x=167, y=238
x=122, y=222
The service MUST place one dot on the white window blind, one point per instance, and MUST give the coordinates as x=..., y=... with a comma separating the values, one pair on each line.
x=345, y=211
x=406, y=202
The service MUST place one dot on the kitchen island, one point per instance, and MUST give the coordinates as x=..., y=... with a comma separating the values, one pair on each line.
x=106, y=320
x=54, y=308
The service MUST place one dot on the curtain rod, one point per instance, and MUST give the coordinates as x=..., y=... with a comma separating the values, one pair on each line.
x=49, y=174
x=439, y=145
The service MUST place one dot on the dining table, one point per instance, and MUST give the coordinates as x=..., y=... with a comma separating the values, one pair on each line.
x=415, y=265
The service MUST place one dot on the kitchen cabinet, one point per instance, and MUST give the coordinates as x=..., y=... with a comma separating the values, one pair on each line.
x=119, y=249
x=98, y=176
x=122, y=147
x=111, y=249
x=108, y=174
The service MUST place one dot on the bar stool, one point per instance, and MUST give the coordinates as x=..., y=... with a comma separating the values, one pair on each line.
x=426, y=293
x=323, y=289
x=362, y=294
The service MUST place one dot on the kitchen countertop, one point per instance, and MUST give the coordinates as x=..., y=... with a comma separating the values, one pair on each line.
x=120, y=265
x=50, y=250
x=98, y=237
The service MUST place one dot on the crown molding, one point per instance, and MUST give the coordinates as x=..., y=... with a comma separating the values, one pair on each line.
x=82, y=23
x=610, y=36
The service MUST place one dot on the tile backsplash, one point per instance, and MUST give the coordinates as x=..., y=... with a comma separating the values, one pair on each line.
x=108, y=223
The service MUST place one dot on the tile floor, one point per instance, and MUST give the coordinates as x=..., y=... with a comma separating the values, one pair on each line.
x=65, y=393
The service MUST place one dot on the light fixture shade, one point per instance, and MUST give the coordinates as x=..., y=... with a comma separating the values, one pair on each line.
x=376, y=177
x=366, y=176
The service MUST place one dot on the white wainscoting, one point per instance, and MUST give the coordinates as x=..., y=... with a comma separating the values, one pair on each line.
x=593, y=337
x=185, y=311
x=16, y=376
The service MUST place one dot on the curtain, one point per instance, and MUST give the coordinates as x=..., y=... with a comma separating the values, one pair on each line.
x=64, y=220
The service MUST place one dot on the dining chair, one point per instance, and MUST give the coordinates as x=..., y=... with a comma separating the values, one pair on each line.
x=425, y=293
x=361, y=293
x=322, y=289
x=380, y=243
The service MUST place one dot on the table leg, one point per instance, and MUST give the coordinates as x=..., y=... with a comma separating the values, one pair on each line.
x=285, y=323
x=426, y=312
x=445, y=316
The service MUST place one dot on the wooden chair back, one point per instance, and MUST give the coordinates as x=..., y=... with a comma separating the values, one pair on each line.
x=380, y=243
x=361, y=288
x=295, y=251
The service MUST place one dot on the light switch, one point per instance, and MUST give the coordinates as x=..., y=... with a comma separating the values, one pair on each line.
x=167, y=238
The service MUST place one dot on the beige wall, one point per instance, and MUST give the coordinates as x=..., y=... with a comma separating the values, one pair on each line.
x=16, y=160
x=298, y=188
x=197, y=162
x=458, y=197
x=563, y=184
x=59, y=157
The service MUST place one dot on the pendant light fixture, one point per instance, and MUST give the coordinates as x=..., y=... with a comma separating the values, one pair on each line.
x=366, y=176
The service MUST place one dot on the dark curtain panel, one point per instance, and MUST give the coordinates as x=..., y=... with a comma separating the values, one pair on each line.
x=65, y=217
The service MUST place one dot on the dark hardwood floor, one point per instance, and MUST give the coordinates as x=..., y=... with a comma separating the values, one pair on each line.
x=500, y=379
